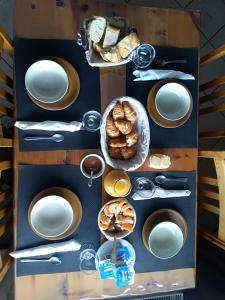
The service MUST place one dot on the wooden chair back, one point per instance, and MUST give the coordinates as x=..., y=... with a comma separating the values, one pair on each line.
x=6, y=203
x=211, y=196
x=217, y=92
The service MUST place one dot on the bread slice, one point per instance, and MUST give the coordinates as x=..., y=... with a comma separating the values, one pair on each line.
x=97, y=28
x=111, y=54
x=111, y=36
x=127, y=44
x=97, y=47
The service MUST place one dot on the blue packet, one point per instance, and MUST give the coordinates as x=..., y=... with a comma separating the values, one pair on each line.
x=124, y=275
x=105, y=269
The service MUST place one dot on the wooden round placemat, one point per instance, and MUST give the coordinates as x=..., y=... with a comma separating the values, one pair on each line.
x=71, y=198
x=154, y=113
x=73, y=88
x=163, y=215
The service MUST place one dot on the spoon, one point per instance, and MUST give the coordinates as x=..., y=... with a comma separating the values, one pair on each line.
x=160, y=179
x=113, y=255
x=161, y=62
x=55, y=137
x=91, y=177
x=53, y=260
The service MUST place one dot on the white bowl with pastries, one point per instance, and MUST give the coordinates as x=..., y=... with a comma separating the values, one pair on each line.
x=125, y=134
x=109, y=41
x=117, y=218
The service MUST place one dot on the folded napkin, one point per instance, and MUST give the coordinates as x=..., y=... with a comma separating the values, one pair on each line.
x=71, y=245
x=161, y=74
x=160, y=193
x=49, y=126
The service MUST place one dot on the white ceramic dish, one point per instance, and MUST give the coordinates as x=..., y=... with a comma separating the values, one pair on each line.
x=46, y=81
x=143, y=130
x=165, y=240
x=96, y=175
x=105, y=250
x=173, y=101
x=51, y=216
x=120, y=235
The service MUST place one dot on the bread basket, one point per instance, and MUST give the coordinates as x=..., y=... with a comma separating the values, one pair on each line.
x=92, y=57
x=143, y=130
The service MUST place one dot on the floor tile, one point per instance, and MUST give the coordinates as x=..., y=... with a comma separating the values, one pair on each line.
x=212, y=15
x=184, y=3
x=219, y=39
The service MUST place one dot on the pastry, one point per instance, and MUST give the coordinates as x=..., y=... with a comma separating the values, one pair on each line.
x=111, y=36
x=130, y=114
x=131, y=138
x=127, y=44
x=111, y=129
x=104, y=219
x=128, y=152
x=115, y=153
x=117, y=143
x=124, y=126
x=111, y=54
x=127, y=226
x=103, y=226
x=118, y=112
x=128, y=212
x=97, y=28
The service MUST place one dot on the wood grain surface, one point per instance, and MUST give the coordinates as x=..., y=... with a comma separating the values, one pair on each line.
x=43, y=19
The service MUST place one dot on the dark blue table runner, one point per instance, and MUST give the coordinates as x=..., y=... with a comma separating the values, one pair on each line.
x=27, y=51
x=91, y=200
x=185, y=135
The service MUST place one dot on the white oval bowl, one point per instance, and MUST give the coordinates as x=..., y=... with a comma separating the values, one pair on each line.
x=165, y=240
x=46, y=81
x=173, y=101
x=142, y=128
x=51, y=216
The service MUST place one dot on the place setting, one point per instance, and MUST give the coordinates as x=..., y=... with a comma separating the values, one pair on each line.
x=122, y=210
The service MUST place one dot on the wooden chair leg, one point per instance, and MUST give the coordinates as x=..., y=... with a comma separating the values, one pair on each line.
x=214, y=55
x=212, y=134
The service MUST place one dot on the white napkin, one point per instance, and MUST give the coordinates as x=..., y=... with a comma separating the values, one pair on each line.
x=161, y=74
x=49, y=126
x=161, y=193
x=71, y=245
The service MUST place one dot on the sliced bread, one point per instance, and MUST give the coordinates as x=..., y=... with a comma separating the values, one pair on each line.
x=97, y=28
x=127, y=44
x=111, y=36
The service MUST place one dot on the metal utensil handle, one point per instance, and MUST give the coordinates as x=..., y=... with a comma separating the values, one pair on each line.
x=37, y=138
x=178, y=61
x=34, y=260
x=180, y=179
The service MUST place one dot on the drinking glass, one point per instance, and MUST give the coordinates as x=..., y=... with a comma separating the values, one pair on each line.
x=88, y=259
x=143, y=56
x=92, y=120
x=141, y=184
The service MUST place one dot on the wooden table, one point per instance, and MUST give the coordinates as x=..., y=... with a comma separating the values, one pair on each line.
x=43, y=19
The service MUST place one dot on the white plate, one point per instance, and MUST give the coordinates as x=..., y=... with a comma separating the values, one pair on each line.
x=143, y=130
x=51, y=216
x=46, y=81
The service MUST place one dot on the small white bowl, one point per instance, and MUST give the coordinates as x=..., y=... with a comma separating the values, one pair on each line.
x=165, y=240
x=173, y=101
x=95, y=175
x=46, y=81
x=51, y=216
x=120, y=235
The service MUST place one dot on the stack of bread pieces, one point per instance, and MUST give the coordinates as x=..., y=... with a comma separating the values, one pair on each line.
x=122, y=136
x=108, y=40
